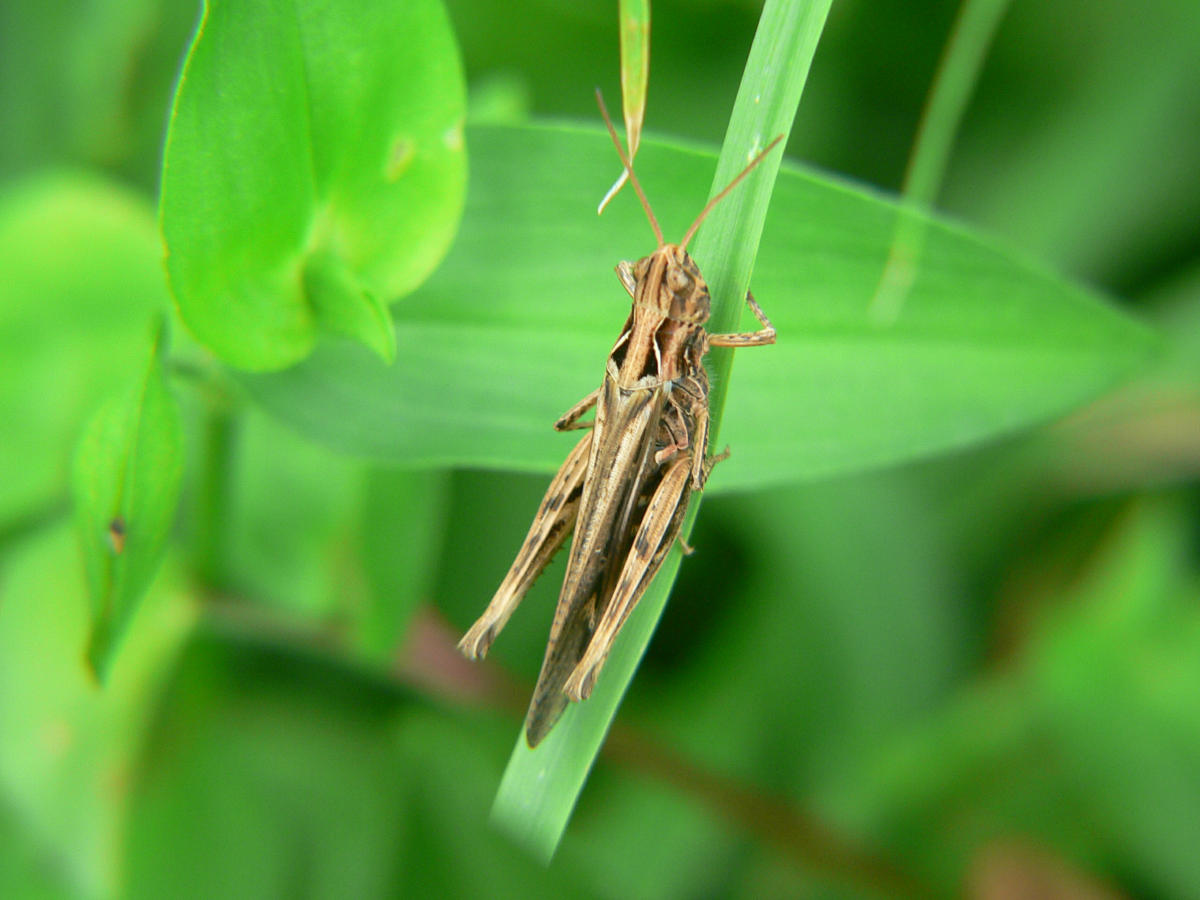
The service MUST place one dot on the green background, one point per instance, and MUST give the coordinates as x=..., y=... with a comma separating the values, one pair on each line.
x=941, y=634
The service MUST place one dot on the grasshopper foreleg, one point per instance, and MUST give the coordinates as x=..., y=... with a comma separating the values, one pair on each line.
x=765, y=335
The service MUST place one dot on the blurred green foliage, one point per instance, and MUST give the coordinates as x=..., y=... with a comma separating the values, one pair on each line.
x=958, y=674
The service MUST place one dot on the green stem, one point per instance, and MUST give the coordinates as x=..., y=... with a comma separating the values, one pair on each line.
x=213, y=493
x=952, y=87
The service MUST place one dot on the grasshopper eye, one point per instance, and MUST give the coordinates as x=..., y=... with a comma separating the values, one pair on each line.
x=678, y=280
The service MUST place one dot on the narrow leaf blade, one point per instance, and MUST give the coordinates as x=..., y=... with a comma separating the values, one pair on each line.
x=126, y=483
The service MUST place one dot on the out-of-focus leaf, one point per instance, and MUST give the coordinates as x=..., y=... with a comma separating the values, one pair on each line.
x=87, y=82
x=127, y=476
x=291, y=525
x=1082, y=156
x=1118, y=690
x=508, y=334
x=27, y=871
x=271, y=771
x=1087, y=744
x=66, y=747
x=81, y=276
x=314, y=172
x=263, y=768
x=402, y=520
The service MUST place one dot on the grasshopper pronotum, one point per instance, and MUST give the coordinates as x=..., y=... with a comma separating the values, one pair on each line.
x=625, y=487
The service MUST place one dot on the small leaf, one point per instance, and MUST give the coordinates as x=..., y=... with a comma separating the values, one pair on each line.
x=634, y=17
x=342, y=307
x=314, y=172
x=126, y=481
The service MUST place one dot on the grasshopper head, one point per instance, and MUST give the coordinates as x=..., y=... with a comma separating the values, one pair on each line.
x=670, y=283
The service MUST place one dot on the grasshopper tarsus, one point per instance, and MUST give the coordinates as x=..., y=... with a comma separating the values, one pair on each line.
x=475, y=644
x=710, y=463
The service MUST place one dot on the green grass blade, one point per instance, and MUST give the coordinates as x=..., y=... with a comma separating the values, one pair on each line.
x=634, y=16
x=539, y=788
x=952, y=87
x=957, y=74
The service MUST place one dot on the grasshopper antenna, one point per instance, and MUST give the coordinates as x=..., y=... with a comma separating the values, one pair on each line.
x=629, y=168
x=691, y=232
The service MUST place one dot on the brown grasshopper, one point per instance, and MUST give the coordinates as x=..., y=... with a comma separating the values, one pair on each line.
x=625, y=487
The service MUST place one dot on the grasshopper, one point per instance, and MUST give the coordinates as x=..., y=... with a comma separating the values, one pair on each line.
x=625, y=487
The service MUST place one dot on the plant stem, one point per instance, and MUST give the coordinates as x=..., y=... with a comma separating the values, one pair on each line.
x=213, y=492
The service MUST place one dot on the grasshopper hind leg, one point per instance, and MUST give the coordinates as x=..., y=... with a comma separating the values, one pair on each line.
x=569, y=421
x=554, y=521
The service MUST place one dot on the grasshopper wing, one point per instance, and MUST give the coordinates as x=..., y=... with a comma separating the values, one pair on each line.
x=627, y=422
x=656, y=533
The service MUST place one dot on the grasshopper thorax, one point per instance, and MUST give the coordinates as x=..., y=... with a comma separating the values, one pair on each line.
x=666, y=325
x=670, y=286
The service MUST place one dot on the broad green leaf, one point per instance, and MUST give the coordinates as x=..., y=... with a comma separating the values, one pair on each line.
x=127, y=477
x=314, y=172
x=82, y=273
x=515, y=326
